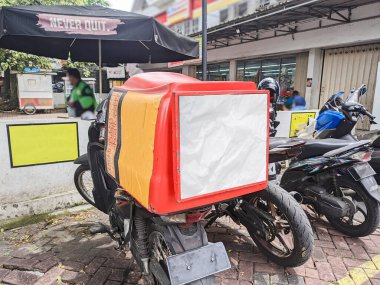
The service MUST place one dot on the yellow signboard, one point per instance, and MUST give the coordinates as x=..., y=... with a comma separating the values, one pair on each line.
x=299, y=121
x=42, y=143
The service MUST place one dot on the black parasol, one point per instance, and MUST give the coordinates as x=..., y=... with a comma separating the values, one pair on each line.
x=57, y=31
x=91, y=34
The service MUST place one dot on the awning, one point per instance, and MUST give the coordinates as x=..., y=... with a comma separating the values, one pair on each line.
x=282, y=19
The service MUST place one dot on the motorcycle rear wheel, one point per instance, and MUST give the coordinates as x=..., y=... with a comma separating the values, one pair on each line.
x=362, y=199
x=160, y=250
x=293, y=227
x=83, y=183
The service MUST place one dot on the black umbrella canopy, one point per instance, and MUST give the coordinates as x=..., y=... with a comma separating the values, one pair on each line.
x=60, y=31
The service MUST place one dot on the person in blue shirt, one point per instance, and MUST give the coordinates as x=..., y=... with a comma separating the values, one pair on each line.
x=299, y=103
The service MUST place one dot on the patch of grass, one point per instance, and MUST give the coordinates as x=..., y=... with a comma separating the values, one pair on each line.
x=15, y=223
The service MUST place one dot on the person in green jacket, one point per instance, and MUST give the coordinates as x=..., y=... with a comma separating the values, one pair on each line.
x=82, y=99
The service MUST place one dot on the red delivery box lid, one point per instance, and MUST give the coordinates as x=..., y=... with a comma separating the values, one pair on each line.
x=175, y=143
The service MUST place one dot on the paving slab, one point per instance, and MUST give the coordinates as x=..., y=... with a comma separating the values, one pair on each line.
x=63, y=252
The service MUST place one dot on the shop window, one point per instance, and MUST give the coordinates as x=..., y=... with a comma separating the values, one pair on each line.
x=195, y=25
x=288, y=73
x=281, y=69
x=270, y=68
x=187, y=27
x=241, y=9
x=215, y=72
x=264, y=3
x=252, y=70
x=223, y=15
x=240, y=71
x=179, y=28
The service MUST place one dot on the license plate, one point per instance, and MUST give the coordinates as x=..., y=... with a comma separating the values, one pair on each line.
x=272, y=169
x=361, y=170
x=198, y=263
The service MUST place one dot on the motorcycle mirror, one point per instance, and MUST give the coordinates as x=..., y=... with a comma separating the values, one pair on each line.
x=363, y=90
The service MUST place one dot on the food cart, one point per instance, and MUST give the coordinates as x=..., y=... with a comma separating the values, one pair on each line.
x=35, y=92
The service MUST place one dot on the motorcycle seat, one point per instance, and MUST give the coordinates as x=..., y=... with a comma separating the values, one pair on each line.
x=278, y=142
x=346, y=148
x=283, y=148
x=275, y=142
x=313, y=148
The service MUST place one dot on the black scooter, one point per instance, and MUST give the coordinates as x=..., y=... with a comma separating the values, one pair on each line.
x=335, y=178
x=274, y=219
x=352, y=111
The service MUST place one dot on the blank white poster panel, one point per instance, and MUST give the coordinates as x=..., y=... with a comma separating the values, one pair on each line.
x=223, y=142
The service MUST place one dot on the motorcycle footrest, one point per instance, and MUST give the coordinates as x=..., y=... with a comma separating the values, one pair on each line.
x=99, y=229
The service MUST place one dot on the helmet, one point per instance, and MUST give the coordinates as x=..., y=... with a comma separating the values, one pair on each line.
x=273, y=87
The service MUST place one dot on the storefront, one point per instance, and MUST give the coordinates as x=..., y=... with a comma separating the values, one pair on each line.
x=289, y=70
x=315, y=50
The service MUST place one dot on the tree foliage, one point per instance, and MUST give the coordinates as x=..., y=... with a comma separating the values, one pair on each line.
x=17, y=60
x=84, y=67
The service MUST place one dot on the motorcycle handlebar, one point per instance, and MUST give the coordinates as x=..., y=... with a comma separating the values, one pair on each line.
x=369, y=115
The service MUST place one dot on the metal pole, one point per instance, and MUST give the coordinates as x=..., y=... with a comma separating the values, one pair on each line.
x=204, y=40
x=100, y=70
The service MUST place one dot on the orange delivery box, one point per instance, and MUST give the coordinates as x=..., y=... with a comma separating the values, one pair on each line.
x=175, y=143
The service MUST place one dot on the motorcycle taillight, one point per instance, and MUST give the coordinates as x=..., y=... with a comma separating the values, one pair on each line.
x=362, y=156
x=186, y=219
x=197, y=216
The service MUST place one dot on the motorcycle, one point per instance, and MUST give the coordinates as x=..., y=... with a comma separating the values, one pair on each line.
x=334, y=175
x=274, y=219
x=161, y=244
x=338, y=118
x=82, y=175
x=158, y=243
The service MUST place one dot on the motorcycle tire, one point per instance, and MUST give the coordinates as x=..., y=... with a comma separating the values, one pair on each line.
x=298, y=222
x=372, y=206
x=80, y=185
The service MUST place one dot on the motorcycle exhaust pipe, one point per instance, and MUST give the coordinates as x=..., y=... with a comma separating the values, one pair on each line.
x=297, y=196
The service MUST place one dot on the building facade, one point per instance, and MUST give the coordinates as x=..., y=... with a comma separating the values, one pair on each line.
x=316, y=47
x=184, y=16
